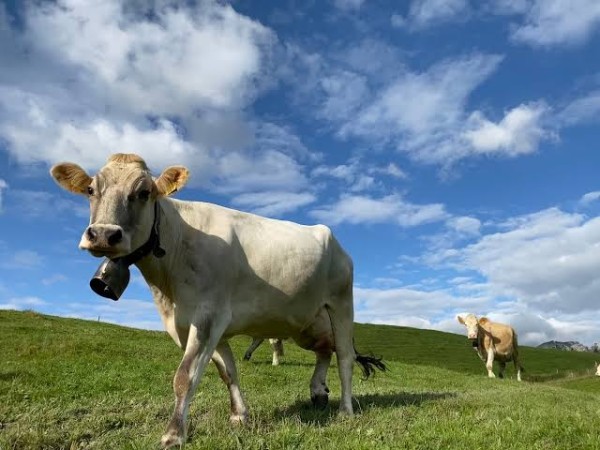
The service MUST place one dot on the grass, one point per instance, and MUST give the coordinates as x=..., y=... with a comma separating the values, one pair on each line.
x=69, y=384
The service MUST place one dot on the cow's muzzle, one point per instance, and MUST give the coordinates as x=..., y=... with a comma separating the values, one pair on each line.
x=111, y=278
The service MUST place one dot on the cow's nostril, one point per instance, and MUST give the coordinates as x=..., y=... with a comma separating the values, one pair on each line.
x=115, y=237
x=90, y=234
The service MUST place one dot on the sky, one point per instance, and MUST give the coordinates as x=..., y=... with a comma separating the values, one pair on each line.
x=451, y=145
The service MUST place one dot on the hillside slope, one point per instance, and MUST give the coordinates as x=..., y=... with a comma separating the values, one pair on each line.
x=67, y=383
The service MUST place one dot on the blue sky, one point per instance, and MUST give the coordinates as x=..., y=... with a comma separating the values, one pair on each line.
x=451, y=145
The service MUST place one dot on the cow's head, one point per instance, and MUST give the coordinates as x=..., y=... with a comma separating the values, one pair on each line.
x=472, y=324
x=122, y=196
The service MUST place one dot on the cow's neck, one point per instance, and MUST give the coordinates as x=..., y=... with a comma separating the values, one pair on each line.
x=156, y=270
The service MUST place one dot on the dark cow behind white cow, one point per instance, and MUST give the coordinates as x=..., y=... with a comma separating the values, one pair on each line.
x=225, y=273
x=276, y=345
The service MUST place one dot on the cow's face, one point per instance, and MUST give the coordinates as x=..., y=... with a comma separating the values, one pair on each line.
x=122, y=196
x=470, y=321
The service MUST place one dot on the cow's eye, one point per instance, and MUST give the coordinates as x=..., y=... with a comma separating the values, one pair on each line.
x=90, y=190
x=144, y=195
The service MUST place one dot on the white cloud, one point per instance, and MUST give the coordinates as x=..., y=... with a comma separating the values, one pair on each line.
x=181, y=60
x=590, y=197
x=464, y=225
x=46, y=206
x=3, y=187
x=348, y=5
x=585, y=109
x=423, y=114
x=426, y=13
x=55, y=278
x=553, y=22
x=356, y=209
x=21, y=259
x=519, y=132
x=265, y=170
x=22, y=303
x=273, y=204
x=547, y=260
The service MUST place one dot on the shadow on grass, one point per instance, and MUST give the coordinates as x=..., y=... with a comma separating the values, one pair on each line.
x=309, y=414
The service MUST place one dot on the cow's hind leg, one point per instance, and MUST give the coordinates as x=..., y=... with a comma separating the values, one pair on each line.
x=502, y=368
x=253, y=346
x=341, y=313
x=225, y=363
x=319, y=392
x=200, y=347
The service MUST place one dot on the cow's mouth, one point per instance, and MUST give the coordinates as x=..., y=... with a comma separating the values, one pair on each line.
x=99, y=252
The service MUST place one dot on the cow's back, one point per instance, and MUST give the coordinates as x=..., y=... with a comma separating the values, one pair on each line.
x=503, y=337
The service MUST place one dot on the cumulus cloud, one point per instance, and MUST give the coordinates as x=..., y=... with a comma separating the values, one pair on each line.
x=348, y=5
x=588, y=198
x=426, y=13
x=22, y=259
x=519, y=132
x=3, y=187
x=584, y=109
x=552, y=22
x=22, y=303
x=273, y=204
x=356, y=209
x=547, y=260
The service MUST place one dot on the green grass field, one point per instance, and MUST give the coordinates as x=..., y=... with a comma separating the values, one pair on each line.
x=70, y=384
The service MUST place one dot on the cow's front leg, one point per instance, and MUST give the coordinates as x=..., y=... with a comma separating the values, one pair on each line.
x=223, y=359
x=201, y=344
x=490, y=363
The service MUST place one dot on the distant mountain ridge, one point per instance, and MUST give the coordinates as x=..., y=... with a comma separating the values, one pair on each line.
x=570, y=346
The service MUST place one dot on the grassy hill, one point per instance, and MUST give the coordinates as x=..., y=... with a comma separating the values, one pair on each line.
x=67, y=383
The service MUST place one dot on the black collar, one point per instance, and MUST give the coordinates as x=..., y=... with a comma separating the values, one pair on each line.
x=151, y=245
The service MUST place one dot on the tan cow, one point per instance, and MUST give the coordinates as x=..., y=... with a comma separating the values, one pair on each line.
x=276, y=345
x=215, y=273
x=493, y=342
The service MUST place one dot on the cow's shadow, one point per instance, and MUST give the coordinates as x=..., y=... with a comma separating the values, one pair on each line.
x=307, y=413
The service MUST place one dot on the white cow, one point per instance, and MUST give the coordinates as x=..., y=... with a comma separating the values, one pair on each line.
x=597, y=370
x=225, y=273
x=276, y=345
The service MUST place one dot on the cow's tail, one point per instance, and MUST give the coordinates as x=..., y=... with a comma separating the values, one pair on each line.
x=369, y=363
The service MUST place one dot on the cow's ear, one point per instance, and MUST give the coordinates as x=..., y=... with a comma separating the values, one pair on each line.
x=71, y=177
x=460, y=320
x=171, y=180
x=483, y=320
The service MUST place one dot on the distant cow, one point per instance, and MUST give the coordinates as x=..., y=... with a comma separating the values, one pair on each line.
x=597, y=370
x=493, y=342
x=276, y=344
x=215, y=273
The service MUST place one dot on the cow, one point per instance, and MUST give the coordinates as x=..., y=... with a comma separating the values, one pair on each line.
x=215, y=273
x=597, y=367
x=493, y=342
x=276, y=345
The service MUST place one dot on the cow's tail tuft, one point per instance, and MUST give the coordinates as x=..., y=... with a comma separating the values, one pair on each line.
x=368, y=364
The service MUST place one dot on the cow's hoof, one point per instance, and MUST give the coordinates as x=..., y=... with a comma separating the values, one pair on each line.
x=171, y=439
x=238, y=419
x=247, y=357
x=320, y=401
x=491, y=375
